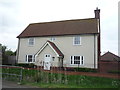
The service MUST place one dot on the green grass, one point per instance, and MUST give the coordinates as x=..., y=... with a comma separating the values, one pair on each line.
x=51, y=85
x=87, y=82
x=53, y=80
x=76, y=81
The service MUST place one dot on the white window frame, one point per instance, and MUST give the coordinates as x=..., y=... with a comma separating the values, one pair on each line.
x=72, y=60
x=33, y=58
x=82, y=60
x=30, y=41
x=74, y=40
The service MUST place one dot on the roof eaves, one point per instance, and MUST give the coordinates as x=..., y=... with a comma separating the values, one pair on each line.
x=54, y=35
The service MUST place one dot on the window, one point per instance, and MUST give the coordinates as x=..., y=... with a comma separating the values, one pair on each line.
x=76, y=40
x=30, y=58
x=47, y=55
x=77, y=60
x=31, y=41
x=52, y=38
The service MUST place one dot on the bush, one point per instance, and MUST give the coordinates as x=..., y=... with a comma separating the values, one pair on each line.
x=70, y=69
x=85, y=70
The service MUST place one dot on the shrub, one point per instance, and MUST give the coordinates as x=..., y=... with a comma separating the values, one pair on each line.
x=70, y=69
x=114, y=72
x=30, y=65
x=85, y=70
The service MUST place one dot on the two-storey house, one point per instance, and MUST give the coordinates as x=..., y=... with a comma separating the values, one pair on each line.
x=69, y=43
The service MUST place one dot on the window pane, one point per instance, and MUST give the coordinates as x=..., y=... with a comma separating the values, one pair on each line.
x=77, y=40
x=76, y=62
x=52, y=38
x=76, y=59
x=29, y=58
x=48, y=55
x=31, y=41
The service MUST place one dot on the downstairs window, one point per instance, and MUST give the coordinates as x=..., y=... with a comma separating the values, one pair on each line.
x=77, y=60
x=30, y=58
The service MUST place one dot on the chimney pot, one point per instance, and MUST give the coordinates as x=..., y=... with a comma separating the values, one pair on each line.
x=97, y=13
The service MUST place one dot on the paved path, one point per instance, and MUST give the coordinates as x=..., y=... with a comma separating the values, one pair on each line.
x=9, y=84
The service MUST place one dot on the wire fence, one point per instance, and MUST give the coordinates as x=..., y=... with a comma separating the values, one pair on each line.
x=11, y=72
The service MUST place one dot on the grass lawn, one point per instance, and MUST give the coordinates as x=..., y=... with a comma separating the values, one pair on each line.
x=78, y=81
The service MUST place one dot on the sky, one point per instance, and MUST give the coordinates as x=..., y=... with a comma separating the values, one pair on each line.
x=16, y=15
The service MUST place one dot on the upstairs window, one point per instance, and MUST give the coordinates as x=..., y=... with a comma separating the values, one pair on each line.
x=52, y=38
x=30, y=58
x=76, y=40
x=31, y=41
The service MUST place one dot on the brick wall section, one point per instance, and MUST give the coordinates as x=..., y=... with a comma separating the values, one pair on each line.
x=109, y=66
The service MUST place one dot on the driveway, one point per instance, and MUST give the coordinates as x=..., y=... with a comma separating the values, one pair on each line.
x=9, y=84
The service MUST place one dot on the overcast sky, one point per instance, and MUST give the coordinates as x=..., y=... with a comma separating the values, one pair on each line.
x=16, y=15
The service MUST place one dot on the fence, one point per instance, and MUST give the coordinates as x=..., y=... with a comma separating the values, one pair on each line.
x=58, y=77
x=11, y=72
x=32, y=75
x=9, y=60
x=38, y=74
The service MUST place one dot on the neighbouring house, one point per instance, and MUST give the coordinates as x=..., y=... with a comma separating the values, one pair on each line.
x=109, y=62
x=69, y=43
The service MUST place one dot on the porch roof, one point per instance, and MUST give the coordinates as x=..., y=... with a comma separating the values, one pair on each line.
x=53, y=47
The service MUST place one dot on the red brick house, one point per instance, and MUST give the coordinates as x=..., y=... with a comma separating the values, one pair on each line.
x=109, y=62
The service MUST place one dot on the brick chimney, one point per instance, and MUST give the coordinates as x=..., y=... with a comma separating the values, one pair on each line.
x=97, y=13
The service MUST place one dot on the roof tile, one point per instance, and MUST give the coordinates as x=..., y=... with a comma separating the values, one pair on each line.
x=68, y=27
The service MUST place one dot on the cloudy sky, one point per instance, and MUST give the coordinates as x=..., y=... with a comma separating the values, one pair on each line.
x=15, y=15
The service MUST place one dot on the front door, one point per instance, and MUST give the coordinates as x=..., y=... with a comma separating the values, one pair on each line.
x=47, y=60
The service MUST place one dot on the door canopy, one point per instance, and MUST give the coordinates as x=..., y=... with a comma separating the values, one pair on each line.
x=53, y=47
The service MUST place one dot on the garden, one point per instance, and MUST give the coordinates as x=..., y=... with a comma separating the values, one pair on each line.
x=44, y=79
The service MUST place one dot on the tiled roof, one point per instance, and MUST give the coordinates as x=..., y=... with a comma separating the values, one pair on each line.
x=56, y=48
x=110, y=57
x=68, y=27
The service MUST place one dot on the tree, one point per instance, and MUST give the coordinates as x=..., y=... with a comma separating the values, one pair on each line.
x=5, y=53
x=9, y=52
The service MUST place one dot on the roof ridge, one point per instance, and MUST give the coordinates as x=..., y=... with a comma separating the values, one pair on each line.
x=110, y=53
x=62, y=21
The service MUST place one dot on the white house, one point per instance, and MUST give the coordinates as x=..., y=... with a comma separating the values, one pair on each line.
x=69, y=43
